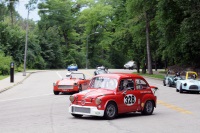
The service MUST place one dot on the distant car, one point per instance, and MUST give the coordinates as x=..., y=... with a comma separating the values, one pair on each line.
x=130, y=65
x=72, y=67
x=101, y=67
x=74, y=82
x=100, y=70
x=170, y=81
x=111, y=94
x=190, y=84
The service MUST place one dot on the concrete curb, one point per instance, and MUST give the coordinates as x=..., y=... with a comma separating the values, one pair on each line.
x=19, y=82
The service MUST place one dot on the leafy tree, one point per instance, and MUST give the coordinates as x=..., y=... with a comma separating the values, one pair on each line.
x=143, y=10
x=168, y=19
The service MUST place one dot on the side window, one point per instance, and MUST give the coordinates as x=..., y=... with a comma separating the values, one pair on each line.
x=126, y=84
x=140, y=84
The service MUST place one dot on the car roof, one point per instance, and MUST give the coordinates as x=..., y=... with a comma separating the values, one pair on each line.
x=120, y=75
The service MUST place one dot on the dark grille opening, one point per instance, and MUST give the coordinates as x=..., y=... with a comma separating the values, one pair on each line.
x=80, y=109
x=193, y=87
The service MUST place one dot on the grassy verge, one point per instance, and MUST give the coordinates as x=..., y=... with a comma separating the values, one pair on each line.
x=158, y=76
x=3, y=76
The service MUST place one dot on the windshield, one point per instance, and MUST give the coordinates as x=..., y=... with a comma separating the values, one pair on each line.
x=77, y=75
x=130, y=63
x=103, y=82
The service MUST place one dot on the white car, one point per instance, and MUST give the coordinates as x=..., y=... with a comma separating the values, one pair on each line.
x=190, y=84
x=130, y=65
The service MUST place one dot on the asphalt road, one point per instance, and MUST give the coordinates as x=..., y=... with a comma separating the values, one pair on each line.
x=31, y=107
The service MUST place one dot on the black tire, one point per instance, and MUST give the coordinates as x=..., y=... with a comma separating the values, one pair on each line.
x=164, y=83
x=110, y=111
x=181, y=90
x=77, y=115
x=148, y=108
x=80, y=88
x=56, y=92
x=169, y=84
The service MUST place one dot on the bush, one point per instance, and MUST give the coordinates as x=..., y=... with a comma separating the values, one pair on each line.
x=5, y=64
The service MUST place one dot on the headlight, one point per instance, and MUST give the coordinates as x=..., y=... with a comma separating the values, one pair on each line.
x=98, y=101
x=72, y=98
x=185, y=84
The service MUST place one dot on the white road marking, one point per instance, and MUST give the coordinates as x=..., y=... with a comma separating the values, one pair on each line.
x=25, y=97
x=59, y=75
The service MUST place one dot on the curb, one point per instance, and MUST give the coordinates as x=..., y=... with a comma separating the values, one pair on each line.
x=7, y=88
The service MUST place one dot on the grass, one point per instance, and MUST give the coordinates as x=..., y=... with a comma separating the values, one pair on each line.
x=158, y=76
x=3, y=76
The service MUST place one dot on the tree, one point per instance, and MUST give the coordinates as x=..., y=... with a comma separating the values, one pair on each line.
x=143, y=9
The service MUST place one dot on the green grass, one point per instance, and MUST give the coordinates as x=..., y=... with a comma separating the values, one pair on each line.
x=3, y=76
x=158, y=76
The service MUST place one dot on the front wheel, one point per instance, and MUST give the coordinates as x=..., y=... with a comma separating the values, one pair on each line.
x=164, y=84
x=80, y=88
x=181, y=90
x=76, y=115
x=148, y=108
x=169, y=84
x=56, y=92
x=110, y=111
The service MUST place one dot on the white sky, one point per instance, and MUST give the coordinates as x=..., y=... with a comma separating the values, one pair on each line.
x=20, y=7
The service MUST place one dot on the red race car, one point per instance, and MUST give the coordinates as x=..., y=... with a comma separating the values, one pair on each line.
x=111, y=94
x=74, y=82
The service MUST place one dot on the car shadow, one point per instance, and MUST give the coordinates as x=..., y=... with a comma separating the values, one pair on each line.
x=193, y=93
x=120, y=116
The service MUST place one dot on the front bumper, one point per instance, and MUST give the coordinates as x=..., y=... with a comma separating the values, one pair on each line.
x=85, y=110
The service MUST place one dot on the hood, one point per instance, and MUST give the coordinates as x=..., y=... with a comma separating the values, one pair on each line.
x=93, y=93
x=192, y=82
x=67, y=81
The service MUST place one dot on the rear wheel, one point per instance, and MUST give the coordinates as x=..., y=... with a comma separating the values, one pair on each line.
x=148, y=108
x=110, y=111
x=56, y=92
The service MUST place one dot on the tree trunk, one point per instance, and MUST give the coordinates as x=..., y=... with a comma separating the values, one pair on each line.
x=148, y=45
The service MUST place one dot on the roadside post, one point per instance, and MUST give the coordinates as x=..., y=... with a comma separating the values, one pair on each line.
x=12, y=72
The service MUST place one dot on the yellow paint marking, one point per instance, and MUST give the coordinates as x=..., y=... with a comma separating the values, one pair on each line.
x=181, y=110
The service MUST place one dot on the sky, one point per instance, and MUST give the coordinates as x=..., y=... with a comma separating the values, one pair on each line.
x=21, y=9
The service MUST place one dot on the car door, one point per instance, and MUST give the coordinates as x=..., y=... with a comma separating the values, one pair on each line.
x=141, y=89
x=127, y=96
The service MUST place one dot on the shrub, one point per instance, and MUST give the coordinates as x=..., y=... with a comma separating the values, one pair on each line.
x=5, y=64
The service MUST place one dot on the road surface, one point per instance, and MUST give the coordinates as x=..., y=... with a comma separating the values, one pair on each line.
x=31, y=107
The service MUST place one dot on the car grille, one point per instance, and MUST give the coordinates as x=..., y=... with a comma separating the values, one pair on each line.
x=65, y=86
x=80, y=110
x=193, y=87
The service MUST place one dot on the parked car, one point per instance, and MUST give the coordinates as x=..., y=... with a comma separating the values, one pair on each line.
x=130, y=65
x=100, y=70
x=115, y=93
x=170, y=80
x=74, y=82
x=190, y=84
x=72, y=67
x=101, y=67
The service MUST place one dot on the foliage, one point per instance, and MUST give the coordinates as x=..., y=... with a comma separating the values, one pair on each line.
x=5, y=64
x=153, y=33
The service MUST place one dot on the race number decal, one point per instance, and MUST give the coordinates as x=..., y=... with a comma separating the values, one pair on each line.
x=129, y=99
